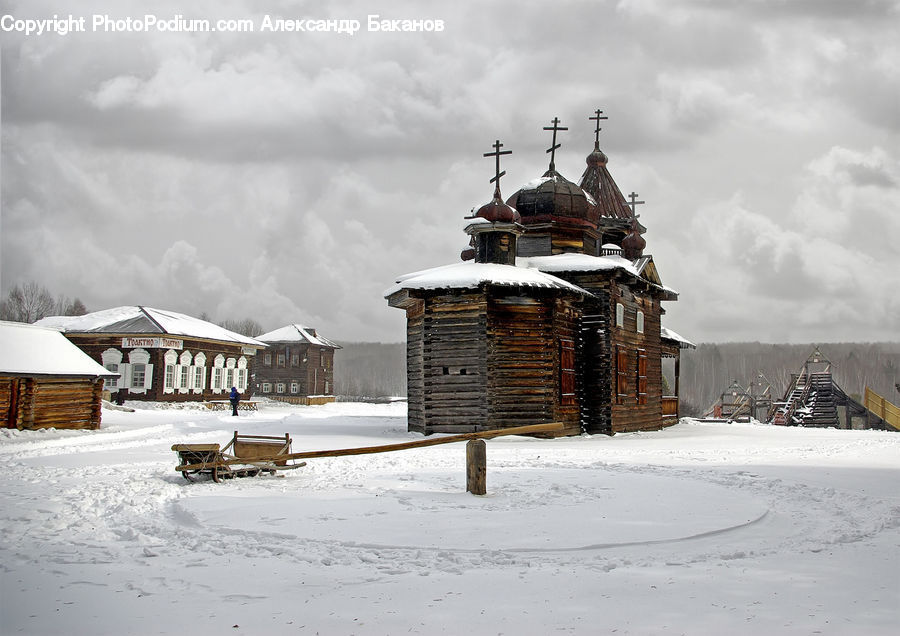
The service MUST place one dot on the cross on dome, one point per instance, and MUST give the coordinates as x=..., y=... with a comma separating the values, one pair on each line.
x=598, y=115
x=633, y=203
x=496, y=154
x=552, y=149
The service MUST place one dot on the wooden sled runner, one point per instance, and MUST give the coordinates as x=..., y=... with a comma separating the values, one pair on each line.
x=243, y=456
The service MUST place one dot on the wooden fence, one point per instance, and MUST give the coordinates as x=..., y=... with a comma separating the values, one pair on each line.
x=887, y=411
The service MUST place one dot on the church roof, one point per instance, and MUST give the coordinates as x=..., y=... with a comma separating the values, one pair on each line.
x=683, y=343
x=470, y=275
x=297, y=333
x=145, y=320
x=552, y=197
x=598, y=182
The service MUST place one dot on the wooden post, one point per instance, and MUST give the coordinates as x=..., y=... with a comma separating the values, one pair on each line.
x=476, y=467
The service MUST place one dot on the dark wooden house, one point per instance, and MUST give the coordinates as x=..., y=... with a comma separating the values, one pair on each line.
x=554, y=315
x=298, y=366
x=46, y=381
x=163, y=355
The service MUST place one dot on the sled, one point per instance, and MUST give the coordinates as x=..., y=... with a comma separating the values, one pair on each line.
x=243, y=456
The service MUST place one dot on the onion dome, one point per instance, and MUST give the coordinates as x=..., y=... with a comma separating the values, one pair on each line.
x=633, y=245
x=597, y=158
x=553, y=198
x=497, y=211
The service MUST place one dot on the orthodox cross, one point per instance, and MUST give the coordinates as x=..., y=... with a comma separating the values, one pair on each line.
x=552, y=150
x=633, y=203
x=497, y=152
x=597, y=117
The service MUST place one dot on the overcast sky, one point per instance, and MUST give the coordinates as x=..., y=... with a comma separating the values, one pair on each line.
x=290, y=177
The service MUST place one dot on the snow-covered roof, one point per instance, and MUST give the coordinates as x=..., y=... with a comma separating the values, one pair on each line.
x=577, y=262
x=470, y=274
x=683, y=343
x=29, y=350
x=135, y=319
x=297, y=333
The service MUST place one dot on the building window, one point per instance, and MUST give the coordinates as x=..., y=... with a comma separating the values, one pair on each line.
x=567, y=371
x=199, y=381
x=112, y=361
x=138, y=374
x=279, y=388
x=141, y=376
x=267, y=359
x=218, y=376
x=169, y=384
x=620, y=315
x=266, y=387
x=640, y=321
x=280, y=359
x=641, y=384
x=295, y=359
x=621, y=374
x=295, y=387
x=242, y=374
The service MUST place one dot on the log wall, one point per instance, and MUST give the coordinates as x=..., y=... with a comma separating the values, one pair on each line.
x=51, y=402
x=415, y=361
x=454, y=363
x=628, y=414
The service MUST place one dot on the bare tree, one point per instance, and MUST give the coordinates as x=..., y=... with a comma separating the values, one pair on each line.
x=27, y=303
x=245, y=327
x=68, y=307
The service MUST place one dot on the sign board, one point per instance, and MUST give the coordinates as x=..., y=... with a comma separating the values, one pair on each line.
x=248, y=351
x=152, y=343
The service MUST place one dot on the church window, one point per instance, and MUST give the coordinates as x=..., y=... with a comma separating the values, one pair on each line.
x=641, y=376
x=621, y=374
x=567, y=371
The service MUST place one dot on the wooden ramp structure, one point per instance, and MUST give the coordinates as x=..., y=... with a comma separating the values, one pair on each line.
x=739, y=403
x=814, y=399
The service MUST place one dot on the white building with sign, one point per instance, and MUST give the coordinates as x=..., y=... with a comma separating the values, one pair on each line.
x=163, y=355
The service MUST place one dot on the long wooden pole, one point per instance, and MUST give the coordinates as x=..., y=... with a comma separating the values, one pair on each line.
x=554, y=427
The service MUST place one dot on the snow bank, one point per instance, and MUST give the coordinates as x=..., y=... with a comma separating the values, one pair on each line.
x=700, y=528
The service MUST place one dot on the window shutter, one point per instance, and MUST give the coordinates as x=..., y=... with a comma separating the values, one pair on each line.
x=124, y=376
x=148, y=377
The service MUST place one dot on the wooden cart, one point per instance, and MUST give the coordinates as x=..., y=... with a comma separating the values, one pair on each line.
x=243, y=456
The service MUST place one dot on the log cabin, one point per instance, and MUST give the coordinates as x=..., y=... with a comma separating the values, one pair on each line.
x=553, y=315
x=46, y=381
x=163, y=356
x=298, y=366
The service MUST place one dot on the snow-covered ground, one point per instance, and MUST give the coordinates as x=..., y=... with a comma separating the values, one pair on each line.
x=699, y=529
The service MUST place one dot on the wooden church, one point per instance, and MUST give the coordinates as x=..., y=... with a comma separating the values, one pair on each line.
x=553, y=315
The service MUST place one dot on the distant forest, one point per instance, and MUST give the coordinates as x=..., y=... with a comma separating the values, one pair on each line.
x=371, y=370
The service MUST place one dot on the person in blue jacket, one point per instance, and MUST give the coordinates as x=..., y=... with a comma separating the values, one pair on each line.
x=235, y=397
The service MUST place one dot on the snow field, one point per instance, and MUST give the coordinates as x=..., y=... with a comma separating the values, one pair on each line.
x=701, y=528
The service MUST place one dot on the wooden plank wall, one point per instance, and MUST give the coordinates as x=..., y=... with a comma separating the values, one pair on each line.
x=594, y=364
x=454, y=362
x=415, y=376
x=566, y=326
x=9, y=415
x=55, y=402
x=627, y=414
x=522, y=382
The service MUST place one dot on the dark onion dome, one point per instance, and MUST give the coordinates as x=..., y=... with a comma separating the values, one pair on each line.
x=497, y=211
x=633, y=245
x=554, y=198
